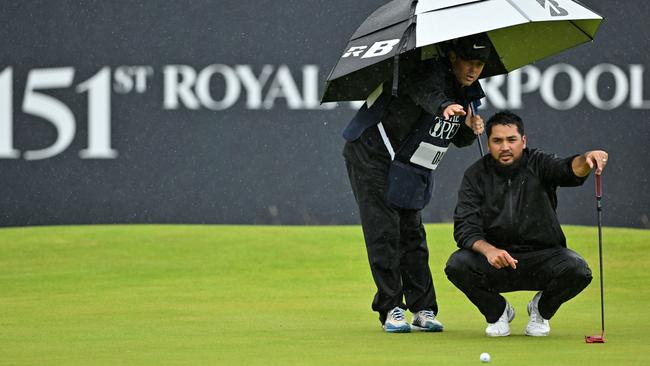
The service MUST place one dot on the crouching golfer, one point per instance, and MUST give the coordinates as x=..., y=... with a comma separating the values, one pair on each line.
x=507, y=228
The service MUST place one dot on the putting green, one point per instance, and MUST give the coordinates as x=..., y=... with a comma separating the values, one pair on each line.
x=250, y=295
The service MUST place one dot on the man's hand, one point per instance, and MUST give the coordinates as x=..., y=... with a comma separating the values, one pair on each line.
x=498, y=258
x=453, y=110
x=584, y=164
x=597, y=159
x=475, y=122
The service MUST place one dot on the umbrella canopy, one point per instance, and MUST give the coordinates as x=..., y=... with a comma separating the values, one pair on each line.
x=521, y=31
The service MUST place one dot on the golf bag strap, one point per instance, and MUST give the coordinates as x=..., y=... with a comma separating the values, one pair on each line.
x=387, y=143
x=367, y=117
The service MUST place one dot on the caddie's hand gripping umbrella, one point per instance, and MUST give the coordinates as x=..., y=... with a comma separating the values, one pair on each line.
x=521, y=31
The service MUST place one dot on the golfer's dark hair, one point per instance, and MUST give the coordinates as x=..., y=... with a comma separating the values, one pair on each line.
x=504, y=118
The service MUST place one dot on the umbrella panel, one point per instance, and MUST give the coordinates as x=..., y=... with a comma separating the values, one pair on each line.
x=431, y=5
x=539, y=10
x=526, y=43
x=350, y=63
x=589, y=26
x=386, y=16
x=442, y=25
x=360, y=84
x=348, y=88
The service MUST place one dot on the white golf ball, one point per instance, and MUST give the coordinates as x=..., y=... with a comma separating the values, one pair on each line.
x=485, y=357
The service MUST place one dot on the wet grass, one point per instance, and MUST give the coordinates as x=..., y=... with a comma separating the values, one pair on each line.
x=242, y=295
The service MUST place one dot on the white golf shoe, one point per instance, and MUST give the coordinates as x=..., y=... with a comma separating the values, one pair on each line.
x=425, y=321
x=395, y=321
x=537, y=325
x=502, y=326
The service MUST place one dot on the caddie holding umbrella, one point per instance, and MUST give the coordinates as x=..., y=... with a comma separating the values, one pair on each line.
x=417, y=65
x=393, y=147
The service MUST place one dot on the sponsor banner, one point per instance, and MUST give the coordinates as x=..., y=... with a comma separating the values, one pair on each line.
x=220, y=87
x=108, y=115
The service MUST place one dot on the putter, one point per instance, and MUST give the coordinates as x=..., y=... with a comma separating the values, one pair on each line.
x=599, y=338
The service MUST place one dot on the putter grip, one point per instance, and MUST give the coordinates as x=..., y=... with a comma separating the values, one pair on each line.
x=599, y=191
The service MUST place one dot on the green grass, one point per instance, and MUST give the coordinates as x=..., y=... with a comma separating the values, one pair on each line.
x=236, y=295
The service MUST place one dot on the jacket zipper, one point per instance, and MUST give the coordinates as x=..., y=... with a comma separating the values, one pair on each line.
x=510, y=214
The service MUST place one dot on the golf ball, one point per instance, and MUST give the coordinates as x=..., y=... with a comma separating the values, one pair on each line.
x=485, y=357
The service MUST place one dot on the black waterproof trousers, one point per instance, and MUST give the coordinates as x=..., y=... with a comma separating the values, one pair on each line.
x=559, y=272
x=395, y=239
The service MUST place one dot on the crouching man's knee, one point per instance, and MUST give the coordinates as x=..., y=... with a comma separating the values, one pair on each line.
x=578, y=272
x=458, y=264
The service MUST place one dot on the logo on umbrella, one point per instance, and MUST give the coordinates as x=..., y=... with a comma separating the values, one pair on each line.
x=377, y=49
x=553, y=7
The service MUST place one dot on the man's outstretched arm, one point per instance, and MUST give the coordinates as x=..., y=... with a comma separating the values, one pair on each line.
x=583, y=164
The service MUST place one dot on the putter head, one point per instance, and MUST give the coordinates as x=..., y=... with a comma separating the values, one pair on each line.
x=595, y=339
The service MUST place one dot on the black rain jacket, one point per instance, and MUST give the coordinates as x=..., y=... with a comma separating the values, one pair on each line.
x=513, y=209
x=409, y=119
x=427, y=88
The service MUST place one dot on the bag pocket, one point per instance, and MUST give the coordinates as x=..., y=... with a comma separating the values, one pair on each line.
x=409, y=187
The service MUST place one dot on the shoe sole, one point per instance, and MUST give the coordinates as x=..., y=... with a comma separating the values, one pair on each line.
x=498, y=335
x=406, y=329
x=536, y=335
x=434, y=329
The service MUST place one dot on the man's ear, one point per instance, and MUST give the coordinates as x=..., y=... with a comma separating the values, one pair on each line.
x=523, y=138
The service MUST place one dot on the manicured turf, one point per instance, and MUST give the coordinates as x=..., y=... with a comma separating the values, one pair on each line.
x=228, y=295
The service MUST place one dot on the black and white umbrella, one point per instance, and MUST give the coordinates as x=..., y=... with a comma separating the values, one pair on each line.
x=521, y=31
